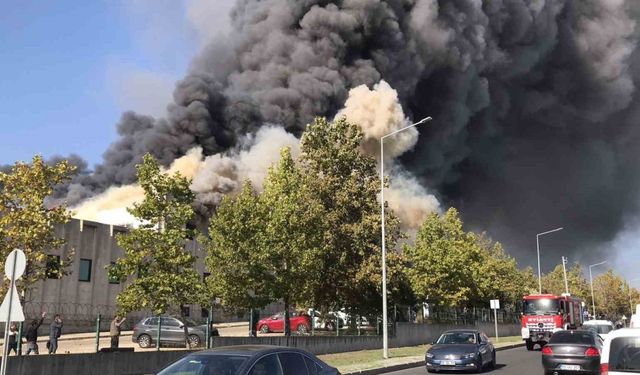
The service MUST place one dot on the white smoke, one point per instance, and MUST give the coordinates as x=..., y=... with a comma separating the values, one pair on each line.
x=376, y=111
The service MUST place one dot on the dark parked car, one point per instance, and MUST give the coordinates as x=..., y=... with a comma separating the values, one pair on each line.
x=461, y=349
x=572, y=351
x=145, y=333
x=250, y=360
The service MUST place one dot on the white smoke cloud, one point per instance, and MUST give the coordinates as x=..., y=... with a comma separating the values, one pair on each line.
x=378, y=112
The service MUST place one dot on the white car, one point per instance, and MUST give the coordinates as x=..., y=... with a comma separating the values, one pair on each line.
x=621, y=352
x=601, y=327
x=635, y=318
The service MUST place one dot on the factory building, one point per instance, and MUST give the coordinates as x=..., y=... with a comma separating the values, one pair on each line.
x=86, y=290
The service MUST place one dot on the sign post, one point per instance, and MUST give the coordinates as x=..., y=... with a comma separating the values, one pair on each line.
x=495, y=305
x=11, y=309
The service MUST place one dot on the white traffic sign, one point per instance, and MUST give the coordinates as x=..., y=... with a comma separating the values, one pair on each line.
x=15, y=264
x=495, y=303
x=11, y=309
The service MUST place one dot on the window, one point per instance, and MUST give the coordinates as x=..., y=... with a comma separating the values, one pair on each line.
x=151, y=322
x=53, y=267
x=186, y=311
x=112, y=278
x=85, y=270
x=313, y=367
x=267, y=365
x=204, y=313
x=170, y=322
x=293, y=364
x=625, y=354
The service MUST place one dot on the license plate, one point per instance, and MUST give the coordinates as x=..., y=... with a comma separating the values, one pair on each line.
x=570, y=367
x=448, y=363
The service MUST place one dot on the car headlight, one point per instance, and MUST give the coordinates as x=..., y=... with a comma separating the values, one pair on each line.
x=468, y=355
x=429, y=355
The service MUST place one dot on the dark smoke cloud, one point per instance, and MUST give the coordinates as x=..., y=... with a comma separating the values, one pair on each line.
x=534, y=102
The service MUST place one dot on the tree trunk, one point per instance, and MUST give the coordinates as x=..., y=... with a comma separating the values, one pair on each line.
x=185, y=328
x=287, y=321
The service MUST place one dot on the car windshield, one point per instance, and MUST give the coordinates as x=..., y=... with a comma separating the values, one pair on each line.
x=599, y=328
x=206, y=364
x=572, y=337
x=457, y=338
x=541, y=306
x=625, y=354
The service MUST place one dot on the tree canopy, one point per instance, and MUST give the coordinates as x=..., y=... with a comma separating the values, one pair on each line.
x=27, y=221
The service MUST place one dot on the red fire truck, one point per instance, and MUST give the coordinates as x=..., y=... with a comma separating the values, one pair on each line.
x=544, y=314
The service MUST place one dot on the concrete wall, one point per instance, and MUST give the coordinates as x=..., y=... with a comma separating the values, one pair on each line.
x=410, y=334
x=125, y=363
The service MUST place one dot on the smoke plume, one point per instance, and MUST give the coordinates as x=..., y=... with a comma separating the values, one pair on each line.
x=534, y=103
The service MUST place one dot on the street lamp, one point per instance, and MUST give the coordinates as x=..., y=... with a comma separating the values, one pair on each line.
x=538, y=247
x=385, y=332
x=593, y=301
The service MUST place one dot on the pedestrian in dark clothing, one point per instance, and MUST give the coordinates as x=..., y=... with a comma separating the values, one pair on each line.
x=13, y=334
x=55, y=330
x=32, y=335
x=114, y=331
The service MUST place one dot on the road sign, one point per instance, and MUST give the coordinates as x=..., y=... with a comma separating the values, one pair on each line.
x=11, y=309
x=495, y=303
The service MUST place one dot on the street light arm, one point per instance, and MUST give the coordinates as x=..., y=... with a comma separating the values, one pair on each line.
x=598, y=264
x=406, y=127
x=550, y=231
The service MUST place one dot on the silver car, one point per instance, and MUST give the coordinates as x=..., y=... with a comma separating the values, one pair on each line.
x=145, y=333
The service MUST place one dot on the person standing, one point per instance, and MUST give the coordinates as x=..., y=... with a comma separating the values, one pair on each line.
x=55, y=330
x=13, y=334
x=32, y=335
x=114, y=331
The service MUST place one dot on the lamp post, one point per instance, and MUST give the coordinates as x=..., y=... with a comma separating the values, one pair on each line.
x=538, y=248
x=385, y=331
x=593, y=301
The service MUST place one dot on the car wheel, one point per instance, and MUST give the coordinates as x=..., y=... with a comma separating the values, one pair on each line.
x=431, y=370
x=529, y=344
x=194, y=341
x=302, y=329
x=144, y=341
x=492, y=364
x=264, y=328
x=479, y=364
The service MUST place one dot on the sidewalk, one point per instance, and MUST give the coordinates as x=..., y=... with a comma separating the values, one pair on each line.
x=105, y=334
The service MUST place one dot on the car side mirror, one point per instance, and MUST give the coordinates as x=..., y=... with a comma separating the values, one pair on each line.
x=181, y=325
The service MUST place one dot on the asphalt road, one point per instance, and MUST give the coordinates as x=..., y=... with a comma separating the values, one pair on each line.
x=516, y=361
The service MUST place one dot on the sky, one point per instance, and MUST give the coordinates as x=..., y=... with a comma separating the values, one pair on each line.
x=68, y=69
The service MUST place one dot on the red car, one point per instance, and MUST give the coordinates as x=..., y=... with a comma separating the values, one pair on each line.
x=275, y=323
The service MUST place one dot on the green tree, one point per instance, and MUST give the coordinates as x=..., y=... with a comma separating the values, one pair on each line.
x=611, y=295
x=553, y=282
x=237, y=276
x=347, y=183
x=445, y=261
x=267, y=247
x=155, y=252
x=499, y=275
x=27, y=222
x=292, y=239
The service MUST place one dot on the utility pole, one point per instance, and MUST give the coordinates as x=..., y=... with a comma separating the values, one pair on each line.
x=564, y=269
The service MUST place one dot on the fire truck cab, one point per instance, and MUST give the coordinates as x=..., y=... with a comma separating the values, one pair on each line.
x=543, y=314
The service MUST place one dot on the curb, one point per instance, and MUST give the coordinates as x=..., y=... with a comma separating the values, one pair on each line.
x=405, y=366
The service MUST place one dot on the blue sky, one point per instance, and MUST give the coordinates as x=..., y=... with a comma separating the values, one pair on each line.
x=70, y=68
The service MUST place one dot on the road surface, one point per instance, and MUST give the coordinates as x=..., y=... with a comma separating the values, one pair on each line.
x=516, y=361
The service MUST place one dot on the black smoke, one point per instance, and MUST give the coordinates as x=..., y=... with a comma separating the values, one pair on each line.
x=534, y=102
